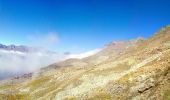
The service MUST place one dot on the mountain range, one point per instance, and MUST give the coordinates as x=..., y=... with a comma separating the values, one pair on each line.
x=138, y=69
x=17, y=48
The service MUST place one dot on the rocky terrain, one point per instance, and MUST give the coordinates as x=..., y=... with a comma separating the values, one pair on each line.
x=124, y=70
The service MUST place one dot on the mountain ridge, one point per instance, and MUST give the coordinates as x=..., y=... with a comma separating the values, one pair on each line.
x=20, y=48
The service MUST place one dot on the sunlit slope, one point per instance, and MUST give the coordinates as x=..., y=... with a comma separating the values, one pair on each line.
x=135, y=70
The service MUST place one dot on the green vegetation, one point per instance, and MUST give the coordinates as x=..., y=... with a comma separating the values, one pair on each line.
x=34, y=84
x=14, y=97
x=166, y=95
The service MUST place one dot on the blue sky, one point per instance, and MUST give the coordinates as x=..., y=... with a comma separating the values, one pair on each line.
x=80, y=25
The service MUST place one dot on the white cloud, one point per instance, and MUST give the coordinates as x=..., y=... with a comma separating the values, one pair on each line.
x=23, y=62
x=15, y=63
x=85, y=54
x=43, y=40
x=19, y=62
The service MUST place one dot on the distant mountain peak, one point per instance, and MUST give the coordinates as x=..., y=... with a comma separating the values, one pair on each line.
x=164, y=30
x=137, y=40
x=20, y=48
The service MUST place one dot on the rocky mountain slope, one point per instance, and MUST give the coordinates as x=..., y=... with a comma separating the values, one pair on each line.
x=132, y=70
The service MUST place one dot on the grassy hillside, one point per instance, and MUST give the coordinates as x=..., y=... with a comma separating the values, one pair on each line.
x=135, y=70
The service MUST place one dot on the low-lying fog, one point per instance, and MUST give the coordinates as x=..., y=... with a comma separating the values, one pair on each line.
x=15, y=63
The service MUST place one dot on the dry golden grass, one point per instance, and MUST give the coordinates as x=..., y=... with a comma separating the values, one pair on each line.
x=122, y=76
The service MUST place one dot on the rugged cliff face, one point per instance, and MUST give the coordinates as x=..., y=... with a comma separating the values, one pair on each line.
x=135, y=70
